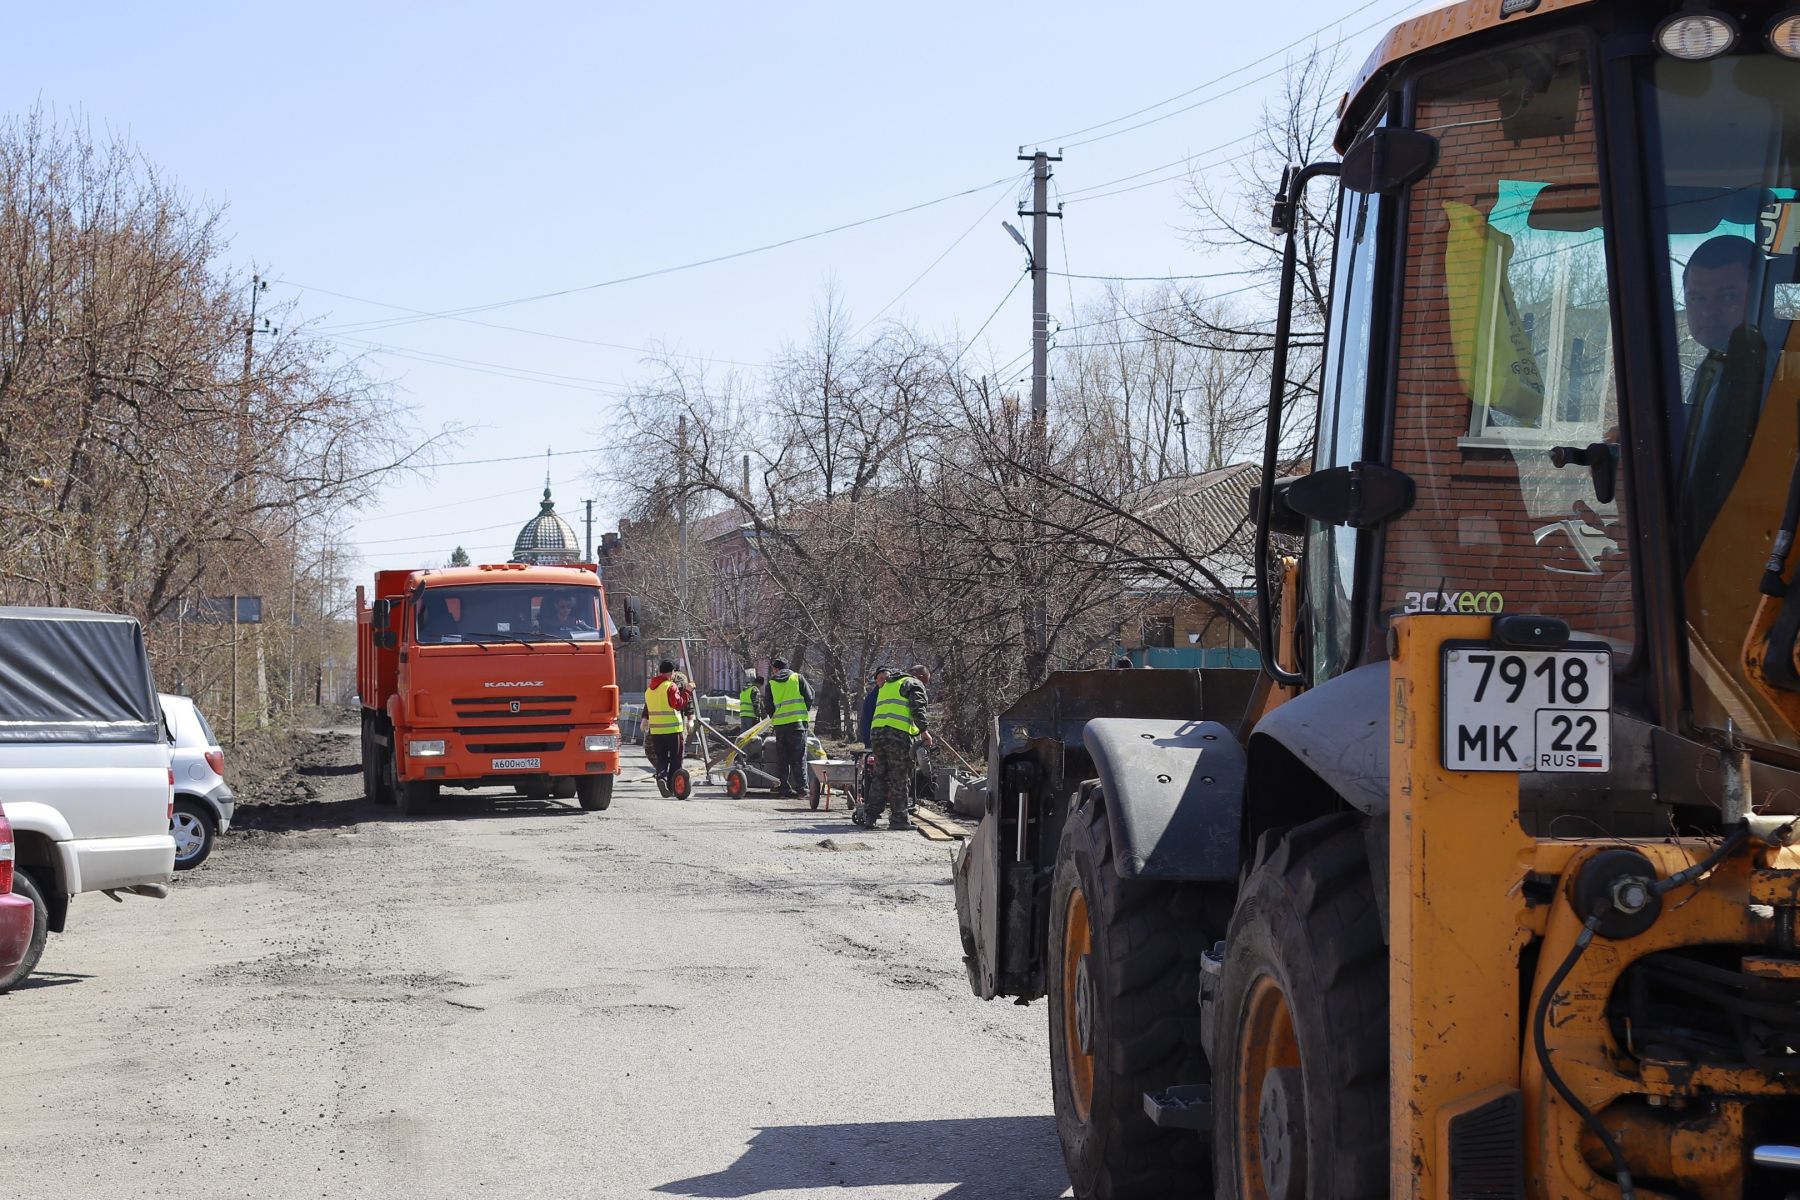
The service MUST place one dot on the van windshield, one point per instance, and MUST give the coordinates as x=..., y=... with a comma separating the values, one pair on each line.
x=508, y=612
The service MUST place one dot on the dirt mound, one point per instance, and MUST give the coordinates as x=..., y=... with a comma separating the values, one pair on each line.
x=294, y=766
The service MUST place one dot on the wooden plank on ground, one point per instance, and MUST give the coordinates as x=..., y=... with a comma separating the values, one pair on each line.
x=936, y=827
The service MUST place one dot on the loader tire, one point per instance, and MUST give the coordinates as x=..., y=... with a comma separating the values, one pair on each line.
x=1300, y=1080
x=1123, y=978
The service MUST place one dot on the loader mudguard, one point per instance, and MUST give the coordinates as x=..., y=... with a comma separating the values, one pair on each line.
x=1337, y=731
x=1174, y=796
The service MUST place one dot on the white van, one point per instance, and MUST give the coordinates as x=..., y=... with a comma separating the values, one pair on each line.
x=85, y=759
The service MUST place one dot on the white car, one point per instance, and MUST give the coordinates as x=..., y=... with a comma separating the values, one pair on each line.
x=204, y=802
x=85, y=761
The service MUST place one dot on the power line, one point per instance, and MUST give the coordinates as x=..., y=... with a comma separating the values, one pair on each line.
x=502, y=370
x=371, y=326
x=1209, y=83
x=542, y=333
x=413, y=512
x=990, y=319
x=482, y=462
x=442, y=533
x=1163, y=278
x=940, y=258
x=1383, y=20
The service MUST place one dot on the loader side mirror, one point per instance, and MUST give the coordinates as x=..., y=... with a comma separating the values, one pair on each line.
x=1362, y=495
x=1282, y=517
x=1386, y=160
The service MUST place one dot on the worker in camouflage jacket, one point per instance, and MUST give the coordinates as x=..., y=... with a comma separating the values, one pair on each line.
x=898, y=725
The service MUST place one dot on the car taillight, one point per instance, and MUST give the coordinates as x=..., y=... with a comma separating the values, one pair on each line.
x=216, y=760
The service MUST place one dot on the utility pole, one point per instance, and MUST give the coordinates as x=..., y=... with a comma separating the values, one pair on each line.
x=1040, y=215
x=681, y=524
x=590, y=531
x=1181, y=423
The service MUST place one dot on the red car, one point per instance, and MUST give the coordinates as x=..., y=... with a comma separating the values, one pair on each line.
x=23, y=928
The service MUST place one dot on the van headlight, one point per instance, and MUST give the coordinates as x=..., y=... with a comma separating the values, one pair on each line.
x=602, y=741
x=426, y=749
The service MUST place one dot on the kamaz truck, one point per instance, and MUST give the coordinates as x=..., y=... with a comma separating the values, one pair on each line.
x=478, y=676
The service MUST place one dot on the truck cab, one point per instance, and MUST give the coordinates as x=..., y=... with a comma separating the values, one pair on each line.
x=477, y=676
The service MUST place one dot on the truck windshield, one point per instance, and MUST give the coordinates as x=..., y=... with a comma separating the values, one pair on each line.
x=1505, y=353
x=508, y=612
x=1729, y=134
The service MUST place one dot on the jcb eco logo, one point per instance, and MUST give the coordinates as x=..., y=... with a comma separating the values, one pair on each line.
x=1455, y=602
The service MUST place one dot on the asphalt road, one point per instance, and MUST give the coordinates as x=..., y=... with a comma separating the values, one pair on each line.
x=703, y=998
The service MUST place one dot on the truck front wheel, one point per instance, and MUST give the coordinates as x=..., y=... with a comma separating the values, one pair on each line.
x=594, y=792
x=411, y=798
x=1300, y=1101
x=1123, y=978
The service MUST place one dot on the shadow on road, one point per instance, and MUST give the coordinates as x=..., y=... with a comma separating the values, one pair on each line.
x=973, y=1158
x=47, y=979
x=329, y=769
x=337, y=814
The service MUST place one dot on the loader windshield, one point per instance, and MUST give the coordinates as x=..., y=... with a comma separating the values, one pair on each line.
x=1505, y=354
x=1726, y=202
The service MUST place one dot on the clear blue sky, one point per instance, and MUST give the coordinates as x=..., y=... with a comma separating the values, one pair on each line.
x=447, y=155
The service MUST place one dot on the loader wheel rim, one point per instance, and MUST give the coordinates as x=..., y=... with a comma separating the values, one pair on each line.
x=1270, y=1109
x=1078, y=1018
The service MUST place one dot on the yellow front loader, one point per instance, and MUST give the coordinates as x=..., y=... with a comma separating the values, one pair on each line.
x=1486, y=886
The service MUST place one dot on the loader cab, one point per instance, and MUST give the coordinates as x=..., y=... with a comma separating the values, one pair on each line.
x=1562, y=336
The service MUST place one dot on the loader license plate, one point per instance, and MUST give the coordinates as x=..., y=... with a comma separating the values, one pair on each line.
x=518, y=764
x=1527, y=710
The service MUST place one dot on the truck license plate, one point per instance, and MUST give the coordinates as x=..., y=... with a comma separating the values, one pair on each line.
x=518, y=764
x=1527, y=710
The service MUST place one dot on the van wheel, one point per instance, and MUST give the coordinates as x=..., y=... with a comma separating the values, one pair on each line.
x=594, y=792
x=1300, y=1097
x=25, y=885
x=194, y=830
x=1124, y=976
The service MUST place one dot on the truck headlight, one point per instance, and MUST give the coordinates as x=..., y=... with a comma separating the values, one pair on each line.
x=426, y=749
x=602, y=741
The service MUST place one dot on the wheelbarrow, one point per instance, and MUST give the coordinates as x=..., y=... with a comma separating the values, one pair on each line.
x=840, y=775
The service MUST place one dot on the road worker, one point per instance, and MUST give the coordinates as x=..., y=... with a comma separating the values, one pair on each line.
x=882, y=675
x=788, y=699
x=750, y=709
x=665, y=729
x=898, y=724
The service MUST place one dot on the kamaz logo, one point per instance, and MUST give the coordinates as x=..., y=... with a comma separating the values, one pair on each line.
x=517, y=683
x=1455, y=602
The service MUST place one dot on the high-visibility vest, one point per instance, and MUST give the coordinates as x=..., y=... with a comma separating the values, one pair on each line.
x=662, y=714
x=747, y=704
x=790, y=709
x=892, y=710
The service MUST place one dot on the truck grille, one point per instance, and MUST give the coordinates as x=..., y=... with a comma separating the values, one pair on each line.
x=514, y=747
x=511, y=708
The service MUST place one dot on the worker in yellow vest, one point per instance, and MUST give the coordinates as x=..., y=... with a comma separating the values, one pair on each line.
x=788, y=699
x=898, y=724
x=750, y=709
x=665, y=699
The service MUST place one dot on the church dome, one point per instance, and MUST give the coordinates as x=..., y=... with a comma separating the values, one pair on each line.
x=546, y=538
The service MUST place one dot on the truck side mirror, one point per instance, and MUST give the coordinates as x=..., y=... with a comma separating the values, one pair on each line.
x=628, y=633
x=634, y=614
x=387, y=639
x=380, y=614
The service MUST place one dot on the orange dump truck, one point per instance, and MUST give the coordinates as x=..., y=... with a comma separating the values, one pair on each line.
x=489, y=675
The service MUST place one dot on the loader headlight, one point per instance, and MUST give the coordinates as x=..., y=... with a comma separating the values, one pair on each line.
x=1696, y=35
x=425, y=749
x=1784, y=34
x=602, y=741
